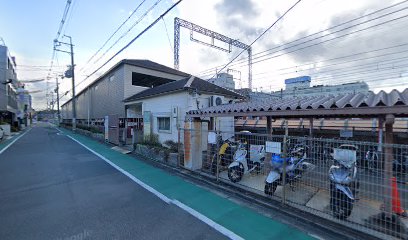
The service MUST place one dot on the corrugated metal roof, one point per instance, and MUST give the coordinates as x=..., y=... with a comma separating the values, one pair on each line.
x=322, y=105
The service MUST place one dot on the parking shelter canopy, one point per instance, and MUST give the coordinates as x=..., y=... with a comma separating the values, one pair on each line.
x=343, y=105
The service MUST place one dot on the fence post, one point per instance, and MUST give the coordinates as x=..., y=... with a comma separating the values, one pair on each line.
x=217, y=149
x=178, y=147
x=311, y=151
x=285, y=150
x=389, y=121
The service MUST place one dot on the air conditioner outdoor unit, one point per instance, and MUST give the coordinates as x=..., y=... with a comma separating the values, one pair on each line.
x=216, y=100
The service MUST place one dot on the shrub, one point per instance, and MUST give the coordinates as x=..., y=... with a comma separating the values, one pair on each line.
x=151, y=140
x=171, y=145
x=14, y=129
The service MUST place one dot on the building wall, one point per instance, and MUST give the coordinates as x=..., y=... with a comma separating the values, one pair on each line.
x=161, y=106
x=3, y=70
x=100, y=99
x=105, y=97
x=8, y=93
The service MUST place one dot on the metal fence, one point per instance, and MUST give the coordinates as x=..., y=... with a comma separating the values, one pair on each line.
x=349, y=182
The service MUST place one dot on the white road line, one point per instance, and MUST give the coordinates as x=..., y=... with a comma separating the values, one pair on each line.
x=226, y=232
x=11, y=143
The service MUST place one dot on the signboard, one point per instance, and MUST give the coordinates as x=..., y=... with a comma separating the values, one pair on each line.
x=346, y=133
x=212, y=138
x=273, y=147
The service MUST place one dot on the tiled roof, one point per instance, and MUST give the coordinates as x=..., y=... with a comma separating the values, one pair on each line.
x=200, y=85
x=308, y=105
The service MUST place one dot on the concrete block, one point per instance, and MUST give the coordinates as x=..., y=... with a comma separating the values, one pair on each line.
x=173, y=159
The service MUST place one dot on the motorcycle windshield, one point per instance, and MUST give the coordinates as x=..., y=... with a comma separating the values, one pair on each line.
x=345, y=157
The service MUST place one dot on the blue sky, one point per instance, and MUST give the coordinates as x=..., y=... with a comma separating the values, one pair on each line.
x=28, y=28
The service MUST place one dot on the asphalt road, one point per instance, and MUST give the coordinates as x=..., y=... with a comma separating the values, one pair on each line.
x=53, y=188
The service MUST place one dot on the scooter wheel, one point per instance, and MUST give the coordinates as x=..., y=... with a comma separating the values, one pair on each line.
x=270, y=188
x=235, y=173
x=341, y=205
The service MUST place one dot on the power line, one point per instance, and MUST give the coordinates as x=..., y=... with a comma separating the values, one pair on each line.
x=336, y=26
x=123, y=35
x=347, y=73
x=129, y=43
x=263, y=33
x=64, y=16
x=113, y=34
x=328, y=40
x=354, y=77
x=168, y=37
x=341, y=63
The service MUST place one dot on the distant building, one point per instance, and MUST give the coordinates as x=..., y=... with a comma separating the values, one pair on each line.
x=224, y=80
x=14, y=100
x=300, y=86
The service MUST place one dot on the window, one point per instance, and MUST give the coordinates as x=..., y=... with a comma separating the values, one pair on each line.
x=163, y=123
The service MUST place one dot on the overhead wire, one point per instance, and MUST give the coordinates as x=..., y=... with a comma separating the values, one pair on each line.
x=313, y=34
x=64, y=15
x=124, y=34
x=113, y=34
x=168, y=37
x=336, y=64
x=263, y=33
x=129, y=43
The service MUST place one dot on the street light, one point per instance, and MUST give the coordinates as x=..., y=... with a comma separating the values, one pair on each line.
x=72, y=71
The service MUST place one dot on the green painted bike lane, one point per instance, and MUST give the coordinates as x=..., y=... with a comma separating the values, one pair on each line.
x=239, y=219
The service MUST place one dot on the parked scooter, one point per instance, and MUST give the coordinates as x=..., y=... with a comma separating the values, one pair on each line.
x=243, y=164
x=227, y=147
x=343, y=182
x=295, y=168
x=400, y=164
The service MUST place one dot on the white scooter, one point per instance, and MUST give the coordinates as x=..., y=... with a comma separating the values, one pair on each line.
x=242, y=165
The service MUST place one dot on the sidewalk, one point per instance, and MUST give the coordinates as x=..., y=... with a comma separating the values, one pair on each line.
x=241, y=220
x=7, y=140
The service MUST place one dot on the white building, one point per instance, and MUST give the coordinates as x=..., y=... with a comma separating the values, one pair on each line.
x=300, y=86
x=224, y=80
x=164, y=107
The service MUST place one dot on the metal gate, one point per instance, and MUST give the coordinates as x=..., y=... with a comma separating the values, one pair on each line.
x=113, y=129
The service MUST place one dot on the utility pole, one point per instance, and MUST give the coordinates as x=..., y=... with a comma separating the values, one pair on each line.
x=58, y=106
x=70, y=74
